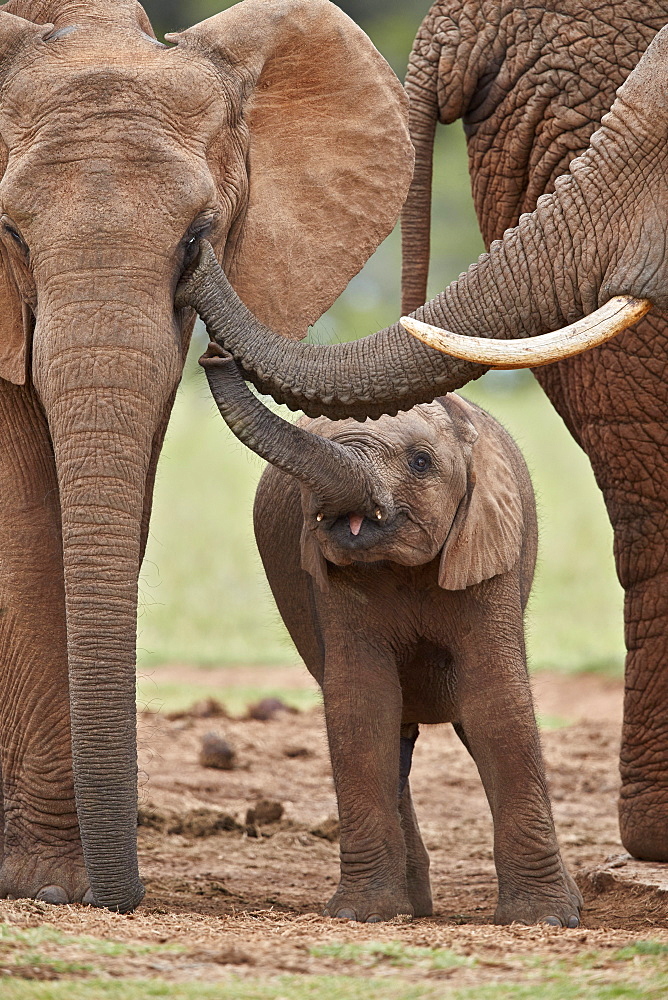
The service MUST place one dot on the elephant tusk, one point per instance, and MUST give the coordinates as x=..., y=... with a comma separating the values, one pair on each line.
x=616, y=315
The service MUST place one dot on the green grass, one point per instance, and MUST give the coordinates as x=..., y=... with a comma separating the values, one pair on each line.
x=393, y=953
x=29, y=955
x=277, y=988
x=379, y=972
x=336, y=987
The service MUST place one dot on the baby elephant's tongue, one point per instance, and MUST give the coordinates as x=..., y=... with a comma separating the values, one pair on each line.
x=355, y=522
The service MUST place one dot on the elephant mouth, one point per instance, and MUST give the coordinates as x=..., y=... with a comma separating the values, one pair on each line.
x=357, y=535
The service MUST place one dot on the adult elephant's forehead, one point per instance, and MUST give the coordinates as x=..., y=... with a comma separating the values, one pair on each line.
x=100, y=86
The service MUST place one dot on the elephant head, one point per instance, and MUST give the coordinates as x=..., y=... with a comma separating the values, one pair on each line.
x=601, y=233
x=265, y=128
x=406, y=490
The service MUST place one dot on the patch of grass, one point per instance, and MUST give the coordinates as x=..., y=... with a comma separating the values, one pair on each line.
x=32, y=938
x=394, y=953
x=551, y=722
x=275, y=988
x=640, y=949
x=566, y=987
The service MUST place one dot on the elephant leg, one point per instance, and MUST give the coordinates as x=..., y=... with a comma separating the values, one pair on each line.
x=614, y=400
x=363, y=713
x=417, y=859
x=42, y=849
x=643, y=803
x=496, y=715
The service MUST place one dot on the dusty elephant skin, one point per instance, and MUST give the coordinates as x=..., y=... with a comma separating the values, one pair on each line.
x=400, y=553
x=531, y=83
x=118, y=154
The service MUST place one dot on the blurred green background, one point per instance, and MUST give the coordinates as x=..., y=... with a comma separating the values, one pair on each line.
x=203, y=596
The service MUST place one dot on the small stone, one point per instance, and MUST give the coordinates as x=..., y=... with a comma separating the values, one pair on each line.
x=329, y=829
x=216, y=752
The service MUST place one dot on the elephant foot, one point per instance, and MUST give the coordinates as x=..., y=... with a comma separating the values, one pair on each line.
x=643, y=826
x=58, y=881
x=558, y=903
x=368, y=907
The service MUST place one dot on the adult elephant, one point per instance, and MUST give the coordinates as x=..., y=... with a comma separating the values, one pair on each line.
x=531, y=83
x=266, y=128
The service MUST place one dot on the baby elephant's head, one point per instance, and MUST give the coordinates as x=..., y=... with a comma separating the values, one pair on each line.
x=437, y=480
x=440, y=480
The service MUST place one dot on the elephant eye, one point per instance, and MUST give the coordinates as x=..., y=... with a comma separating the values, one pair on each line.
x=14, y=234
x=420, y=462
x=191, y=240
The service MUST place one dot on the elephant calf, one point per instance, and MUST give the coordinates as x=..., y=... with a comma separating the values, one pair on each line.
x=401, y=553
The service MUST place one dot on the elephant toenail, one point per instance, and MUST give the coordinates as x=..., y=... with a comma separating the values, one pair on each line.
x=375, y=918
x=574, y=921
x=54, y=894
x=552, y=921
x=346, y=914
x=89, y=898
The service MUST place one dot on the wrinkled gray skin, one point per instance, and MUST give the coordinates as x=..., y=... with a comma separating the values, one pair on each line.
x=400, y=553
x=531, y=82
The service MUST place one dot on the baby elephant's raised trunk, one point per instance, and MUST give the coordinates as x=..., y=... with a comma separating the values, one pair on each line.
x=340, y=476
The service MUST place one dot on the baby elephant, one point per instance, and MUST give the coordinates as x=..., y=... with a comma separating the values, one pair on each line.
x=400, y=553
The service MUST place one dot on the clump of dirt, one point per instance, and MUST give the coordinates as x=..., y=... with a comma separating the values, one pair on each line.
x=206, y=708
x=216, y=752
x=268, y=709
x=201, y=822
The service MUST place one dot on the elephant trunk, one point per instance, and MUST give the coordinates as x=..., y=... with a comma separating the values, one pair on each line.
x=104, y=405
x=511, y=292
x=338, y=475
x=422, y=89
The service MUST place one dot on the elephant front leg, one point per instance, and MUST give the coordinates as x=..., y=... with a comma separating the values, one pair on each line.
x=497, y=718
x=42, y=855
x=363, y=712
x=643, y=804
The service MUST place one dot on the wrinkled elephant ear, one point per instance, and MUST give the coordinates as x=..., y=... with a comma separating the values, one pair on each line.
x=486, y=535
x=15, y=34
x=330, y=157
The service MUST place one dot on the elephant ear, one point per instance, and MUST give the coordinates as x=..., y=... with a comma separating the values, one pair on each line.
x=15, y=34
x=487, y=531
x=330, y=158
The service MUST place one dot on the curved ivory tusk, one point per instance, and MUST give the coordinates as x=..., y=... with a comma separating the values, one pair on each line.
x=616, y=315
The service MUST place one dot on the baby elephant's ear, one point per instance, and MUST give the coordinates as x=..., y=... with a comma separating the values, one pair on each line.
x=312, y=560
x=487, y=532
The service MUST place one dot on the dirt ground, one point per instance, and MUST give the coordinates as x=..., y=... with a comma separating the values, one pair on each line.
x=249, y=897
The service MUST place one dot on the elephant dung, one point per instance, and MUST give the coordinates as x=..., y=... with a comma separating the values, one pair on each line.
x=627, y=878
x=216, y=752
